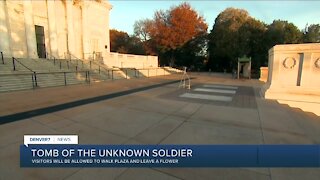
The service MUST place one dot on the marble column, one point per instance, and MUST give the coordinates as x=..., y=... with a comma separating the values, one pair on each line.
x=106, y=51
x=30, y=29
x=85, y=37
x=71, y=37
x=4, y=30
x=53, y=36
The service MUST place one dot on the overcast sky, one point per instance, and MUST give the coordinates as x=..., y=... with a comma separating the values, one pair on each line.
x=125, y=12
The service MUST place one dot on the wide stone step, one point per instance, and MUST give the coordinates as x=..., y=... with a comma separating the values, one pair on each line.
x=15, y=82
x=15, y=88
x=12, y=82
x=49, y=73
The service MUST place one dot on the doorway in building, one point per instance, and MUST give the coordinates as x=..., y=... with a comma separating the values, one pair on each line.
x=41, y=43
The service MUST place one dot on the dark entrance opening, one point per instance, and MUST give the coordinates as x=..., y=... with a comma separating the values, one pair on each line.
x=41, y=45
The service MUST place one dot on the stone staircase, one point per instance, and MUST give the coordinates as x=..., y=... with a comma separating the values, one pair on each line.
x=35, y=73
x=98, y=71
x=101, y=72
x=8, y=68
x=41, y=65
x=16, y=81
x=160, y=71
x=60, y=79
x=172, y=70
x=129, y=73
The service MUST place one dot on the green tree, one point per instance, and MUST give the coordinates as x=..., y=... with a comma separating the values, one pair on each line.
x=193, y=54
x=251, y=35
x=226, y=43
x=141, y=31
x=141, y=28
x=121, y=42
x=312, y=34
x=282, y=32
x=235, y=34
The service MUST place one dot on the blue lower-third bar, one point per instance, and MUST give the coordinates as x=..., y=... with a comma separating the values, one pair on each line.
x=170, y=156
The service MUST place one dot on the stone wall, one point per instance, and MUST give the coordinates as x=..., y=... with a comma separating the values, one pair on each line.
x=96, y=27
x=40, y=18
x=130, y=60
x=75, y=26
x=61, y=30
x=15, y=28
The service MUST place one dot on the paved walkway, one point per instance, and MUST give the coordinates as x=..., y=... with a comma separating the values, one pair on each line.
x=217, y=110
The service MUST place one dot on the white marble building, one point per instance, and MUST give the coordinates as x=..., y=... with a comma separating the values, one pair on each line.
x=32, y=28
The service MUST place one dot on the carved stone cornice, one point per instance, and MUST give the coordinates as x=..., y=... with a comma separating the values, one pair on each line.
x=85, y=3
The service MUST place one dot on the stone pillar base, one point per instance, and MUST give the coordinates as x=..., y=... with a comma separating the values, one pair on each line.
x=293, y=75
x=304, y=106
x=263, y=74
x=307, y=99
x=295, y=93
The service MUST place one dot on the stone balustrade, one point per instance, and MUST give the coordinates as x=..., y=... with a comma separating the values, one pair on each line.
x=130, y=60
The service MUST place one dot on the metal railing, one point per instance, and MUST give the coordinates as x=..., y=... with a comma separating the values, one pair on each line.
x=95, y=66
x=17, y=81
x=34, y=74
x=142, y=72
x=94, y=56
x=2, y=59
x=72, y=58
x=43, y=79
x=14, y=60
x=100, y=72
x=49, y=79
x=50, y=56
x=62, y=78
x=61, y=62
x=91, y=65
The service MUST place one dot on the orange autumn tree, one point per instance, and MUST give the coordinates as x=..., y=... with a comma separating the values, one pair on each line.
x=172, y=29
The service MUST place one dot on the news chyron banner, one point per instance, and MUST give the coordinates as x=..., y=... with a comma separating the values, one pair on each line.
x=64, y=151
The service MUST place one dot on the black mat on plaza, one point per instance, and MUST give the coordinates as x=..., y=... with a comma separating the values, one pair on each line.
x=243, y=98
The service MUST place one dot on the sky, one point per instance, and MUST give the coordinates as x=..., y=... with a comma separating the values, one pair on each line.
x=125, y=12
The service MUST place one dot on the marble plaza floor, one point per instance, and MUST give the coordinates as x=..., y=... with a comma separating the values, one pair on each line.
x=217, y=110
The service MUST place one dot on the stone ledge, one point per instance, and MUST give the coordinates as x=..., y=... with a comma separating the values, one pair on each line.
x=304, y=106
